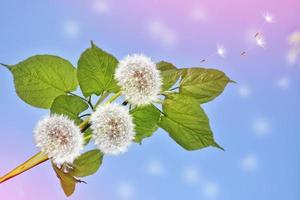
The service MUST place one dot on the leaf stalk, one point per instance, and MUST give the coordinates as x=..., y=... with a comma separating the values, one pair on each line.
x=40, y=157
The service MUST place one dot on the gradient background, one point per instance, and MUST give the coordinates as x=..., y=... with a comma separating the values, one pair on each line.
x=256, y=120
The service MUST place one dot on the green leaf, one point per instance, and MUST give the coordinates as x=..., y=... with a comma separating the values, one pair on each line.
x=40, y=79
x=169, y=73
x=203, y=84
x=96, y=69
x=67, y=181
x=87, y=164
x=164, y=66
x=186, y=122
x=145, y=120
x=70, y=106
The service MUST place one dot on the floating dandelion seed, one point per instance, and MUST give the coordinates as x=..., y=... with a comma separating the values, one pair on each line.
x=221, y=51
x=59, y=138
x=243, y=53
x=269, y=18
x=139, y=79
x=260, y=41
x=113, y=128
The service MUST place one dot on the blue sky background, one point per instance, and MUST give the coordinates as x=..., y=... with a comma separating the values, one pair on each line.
x=256, y=120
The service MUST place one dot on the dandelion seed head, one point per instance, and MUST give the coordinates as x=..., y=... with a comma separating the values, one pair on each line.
x=59, y=138
x=139, y=79
x=112, y=129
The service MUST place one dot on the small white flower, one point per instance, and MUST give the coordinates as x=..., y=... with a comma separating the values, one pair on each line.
x=59, y=138
x=112, y=128
x=139, y=79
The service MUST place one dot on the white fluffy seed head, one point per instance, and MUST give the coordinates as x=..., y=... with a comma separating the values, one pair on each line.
x=59, y=138
x=112, y=129
x=139, y=79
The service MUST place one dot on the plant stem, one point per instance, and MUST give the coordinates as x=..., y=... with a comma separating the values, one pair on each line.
x=103, y=96
x=36, y=159
x=125, y=103
x=40, y=157
x=87, y=101
x=159, y=101
x=175, y=88
x=90, y=102
x=165, y=93
x=84, y=115
x=75, y=95
x=113, y=98
x=32, y=162
x=160, y=111
x=5, y=65
x=84, y=125
x=87, y=137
